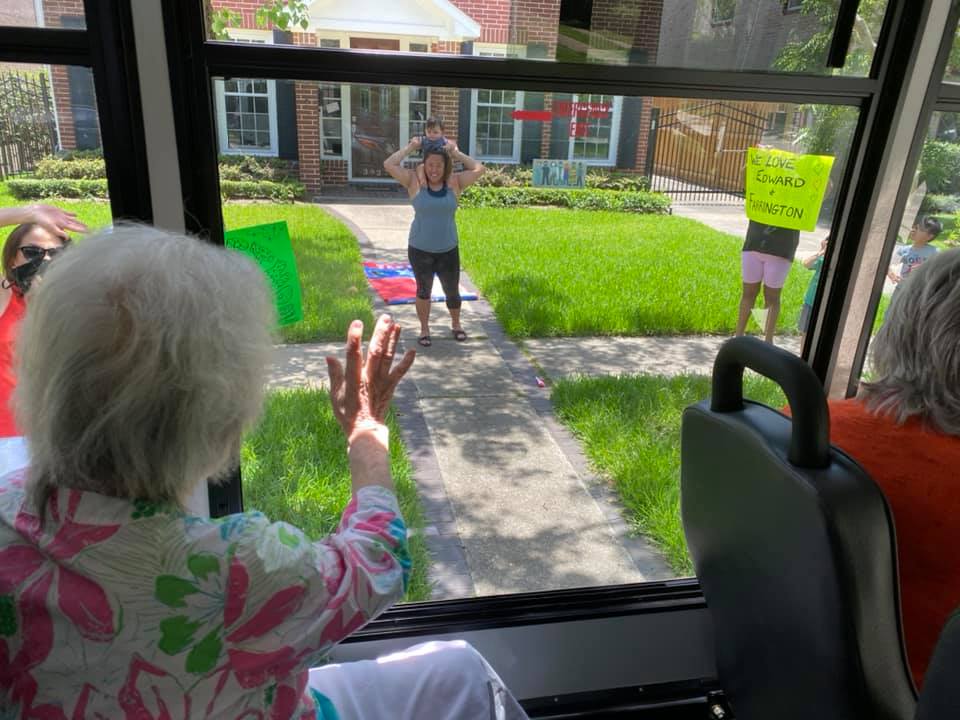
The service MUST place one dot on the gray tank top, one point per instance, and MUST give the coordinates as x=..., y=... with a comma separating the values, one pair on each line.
x=434, y=228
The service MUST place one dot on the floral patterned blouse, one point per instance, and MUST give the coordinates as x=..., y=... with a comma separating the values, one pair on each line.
x=124, y=609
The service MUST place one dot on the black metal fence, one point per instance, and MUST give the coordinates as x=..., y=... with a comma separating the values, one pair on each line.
x=697, y=153
x=28, y=128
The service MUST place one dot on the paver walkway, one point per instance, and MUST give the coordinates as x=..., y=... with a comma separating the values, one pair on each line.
x=510, y=501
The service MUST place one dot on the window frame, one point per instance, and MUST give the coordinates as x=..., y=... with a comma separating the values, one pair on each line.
x=247, y=35
x=495, y=50
x=616, y=111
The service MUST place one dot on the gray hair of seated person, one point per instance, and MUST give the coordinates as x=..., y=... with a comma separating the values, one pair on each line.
x=916, y=353
x=140, y=363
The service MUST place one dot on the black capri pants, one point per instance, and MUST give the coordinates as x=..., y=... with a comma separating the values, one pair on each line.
x=445, y=265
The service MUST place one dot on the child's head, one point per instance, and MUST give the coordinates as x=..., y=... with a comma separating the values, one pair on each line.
x=825, y=242
x=434, y=127
x=926, y=229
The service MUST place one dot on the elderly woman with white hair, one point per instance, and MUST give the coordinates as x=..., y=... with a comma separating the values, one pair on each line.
x=904, y=429
x=142, y=360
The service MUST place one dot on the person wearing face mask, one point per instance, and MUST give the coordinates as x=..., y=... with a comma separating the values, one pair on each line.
x=39, y=236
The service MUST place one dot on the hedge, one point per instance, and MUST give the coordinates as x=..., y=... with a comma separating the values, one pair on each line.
x=34, y=188
x=597, y=178
x=617, y=200
x=938, y=204
x=40, y=188
x=75, y=169
x=261, y=189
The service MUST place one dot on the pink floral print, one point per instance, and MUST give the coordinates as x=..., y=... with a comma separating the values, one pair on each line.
x=110, y=608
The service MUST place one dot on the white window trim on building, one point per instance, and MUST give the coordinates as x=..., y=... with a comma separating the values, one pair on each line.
x=496, y=50
x=256, y=36
x=611, y=158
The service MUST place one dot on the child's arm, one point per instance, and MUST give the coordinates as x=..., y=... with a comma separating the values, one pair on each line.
x=809, y=262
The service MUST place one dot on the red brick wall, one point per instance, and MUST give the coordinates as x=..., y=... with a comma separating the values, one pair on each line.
x=445, y=102
x=636, y=22
x=247, y=9
x=53, y=12
x=308, y=135
x=643, y=137
x=333, y=172
x=517, y=22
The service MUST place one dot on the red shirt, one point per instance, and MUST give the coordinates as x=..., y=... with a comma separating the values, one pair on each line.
x=918, y=470
x=9, y=325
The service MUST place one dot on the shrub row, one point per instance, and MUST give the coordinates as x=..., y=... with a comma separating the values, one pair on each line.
x=940, y=204
x=74, y=169
x=41, y=188
x=37, y=189
x=262, y=190
x=598, y=179
x=249, y=167
x=617, y=200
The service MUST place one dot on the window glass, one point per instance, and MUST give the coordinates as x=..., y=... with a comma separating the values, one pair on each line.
x=50, y=146
x=68, y=14
x=952, y=73
x=566, y=242
x=778, y=35
x=930, y=220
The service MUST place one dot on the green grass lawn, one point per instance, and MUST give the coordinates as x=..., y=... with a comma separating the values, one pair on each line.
x=630, y=430
x=328, y=260
x=294, y=467
x=558, y=272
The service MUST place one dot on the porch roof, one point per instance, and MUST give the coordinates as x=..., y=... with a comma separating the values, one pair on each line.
x=436, y=19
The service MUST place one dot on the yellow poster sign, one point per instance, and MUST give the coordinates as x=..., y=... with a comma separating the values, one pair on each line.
x=785, y=189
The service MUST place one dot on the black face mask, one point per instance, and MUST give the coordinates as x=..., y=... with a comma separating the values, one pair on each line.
x=24, y=275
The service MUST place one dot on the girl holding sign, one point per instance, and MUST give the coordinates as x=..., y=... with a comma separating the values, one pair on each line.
x=766, y=260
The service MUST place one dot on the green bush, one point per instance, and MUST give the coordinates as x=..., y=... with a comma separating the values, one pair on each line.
x=940, y=167
x=605, y=180
x=250, y=167
x=69, y=155
x=261, y=189
x=597, y=178
x=39, y=188
x=934, y=204
x=75, y=169
x=617, y=200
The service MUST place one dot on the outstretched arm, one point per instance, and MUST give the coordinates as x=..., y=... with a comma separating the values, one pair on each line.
x=50, y=218
x=473, y=169
x=405, y=176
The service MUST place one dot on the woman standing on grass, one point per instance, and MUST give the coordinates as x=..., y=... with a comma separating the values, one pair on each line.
x=433, y=245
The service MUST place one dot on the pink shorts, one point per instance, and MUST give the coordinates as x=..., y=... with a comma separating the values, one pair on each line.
x=771, y=269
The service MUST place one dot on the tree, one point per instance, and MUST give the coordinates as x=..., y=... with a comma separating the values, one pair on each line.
x=283, y=15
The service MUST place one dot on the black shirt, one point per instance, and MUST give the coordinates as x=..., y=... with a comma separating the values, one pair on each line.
x=772, y=240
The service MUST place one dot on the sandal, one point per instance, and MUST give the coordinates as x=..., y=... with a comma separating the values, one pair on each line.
x=425, y=341
x=459, y=335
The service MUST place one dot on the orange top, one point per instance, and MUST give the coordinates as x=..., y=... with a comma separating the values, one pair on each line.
x=9, y=324
x=918, y=470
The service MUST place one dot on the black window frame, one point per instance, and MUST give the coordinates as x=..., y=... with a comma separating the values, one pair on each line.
x=195, y=60
x=106, y=46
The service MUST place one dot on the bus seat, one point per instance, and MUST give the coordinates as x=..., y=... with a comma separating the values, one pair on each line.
x=940, y=697
x=794, y=548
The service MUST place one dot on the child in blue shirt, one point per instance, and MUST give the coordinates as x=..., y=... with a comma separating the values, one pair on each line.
x=815, y=263
x=919, y=250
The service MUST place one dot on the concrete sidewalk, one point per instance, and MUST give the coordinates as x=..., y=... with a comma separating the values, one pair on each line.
x=511, y=503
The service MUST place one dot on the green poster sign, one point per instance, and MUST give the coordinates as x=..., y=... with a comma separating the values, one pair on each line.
x=785, y=189
x=270, y=246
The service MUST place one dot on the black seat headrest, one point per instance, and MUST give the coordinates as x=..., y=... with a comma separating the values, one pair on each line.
x=794, y=548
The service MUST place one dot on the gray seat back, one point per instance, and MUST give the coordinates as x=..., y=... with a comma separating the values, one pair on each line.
x=794, y=548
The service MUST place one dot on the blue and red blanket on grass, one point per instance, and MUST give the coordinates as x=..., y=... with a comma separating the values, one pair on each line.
x=395, y=284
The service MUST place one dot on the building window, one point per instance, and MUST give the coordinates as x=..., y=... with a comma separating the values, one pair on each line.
x=494, y=134
x=792, y=6
x=419, y=47
x=723, y=11
x=594, y=126
x=247, y=108
x=328, y=43
x=331, y=121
